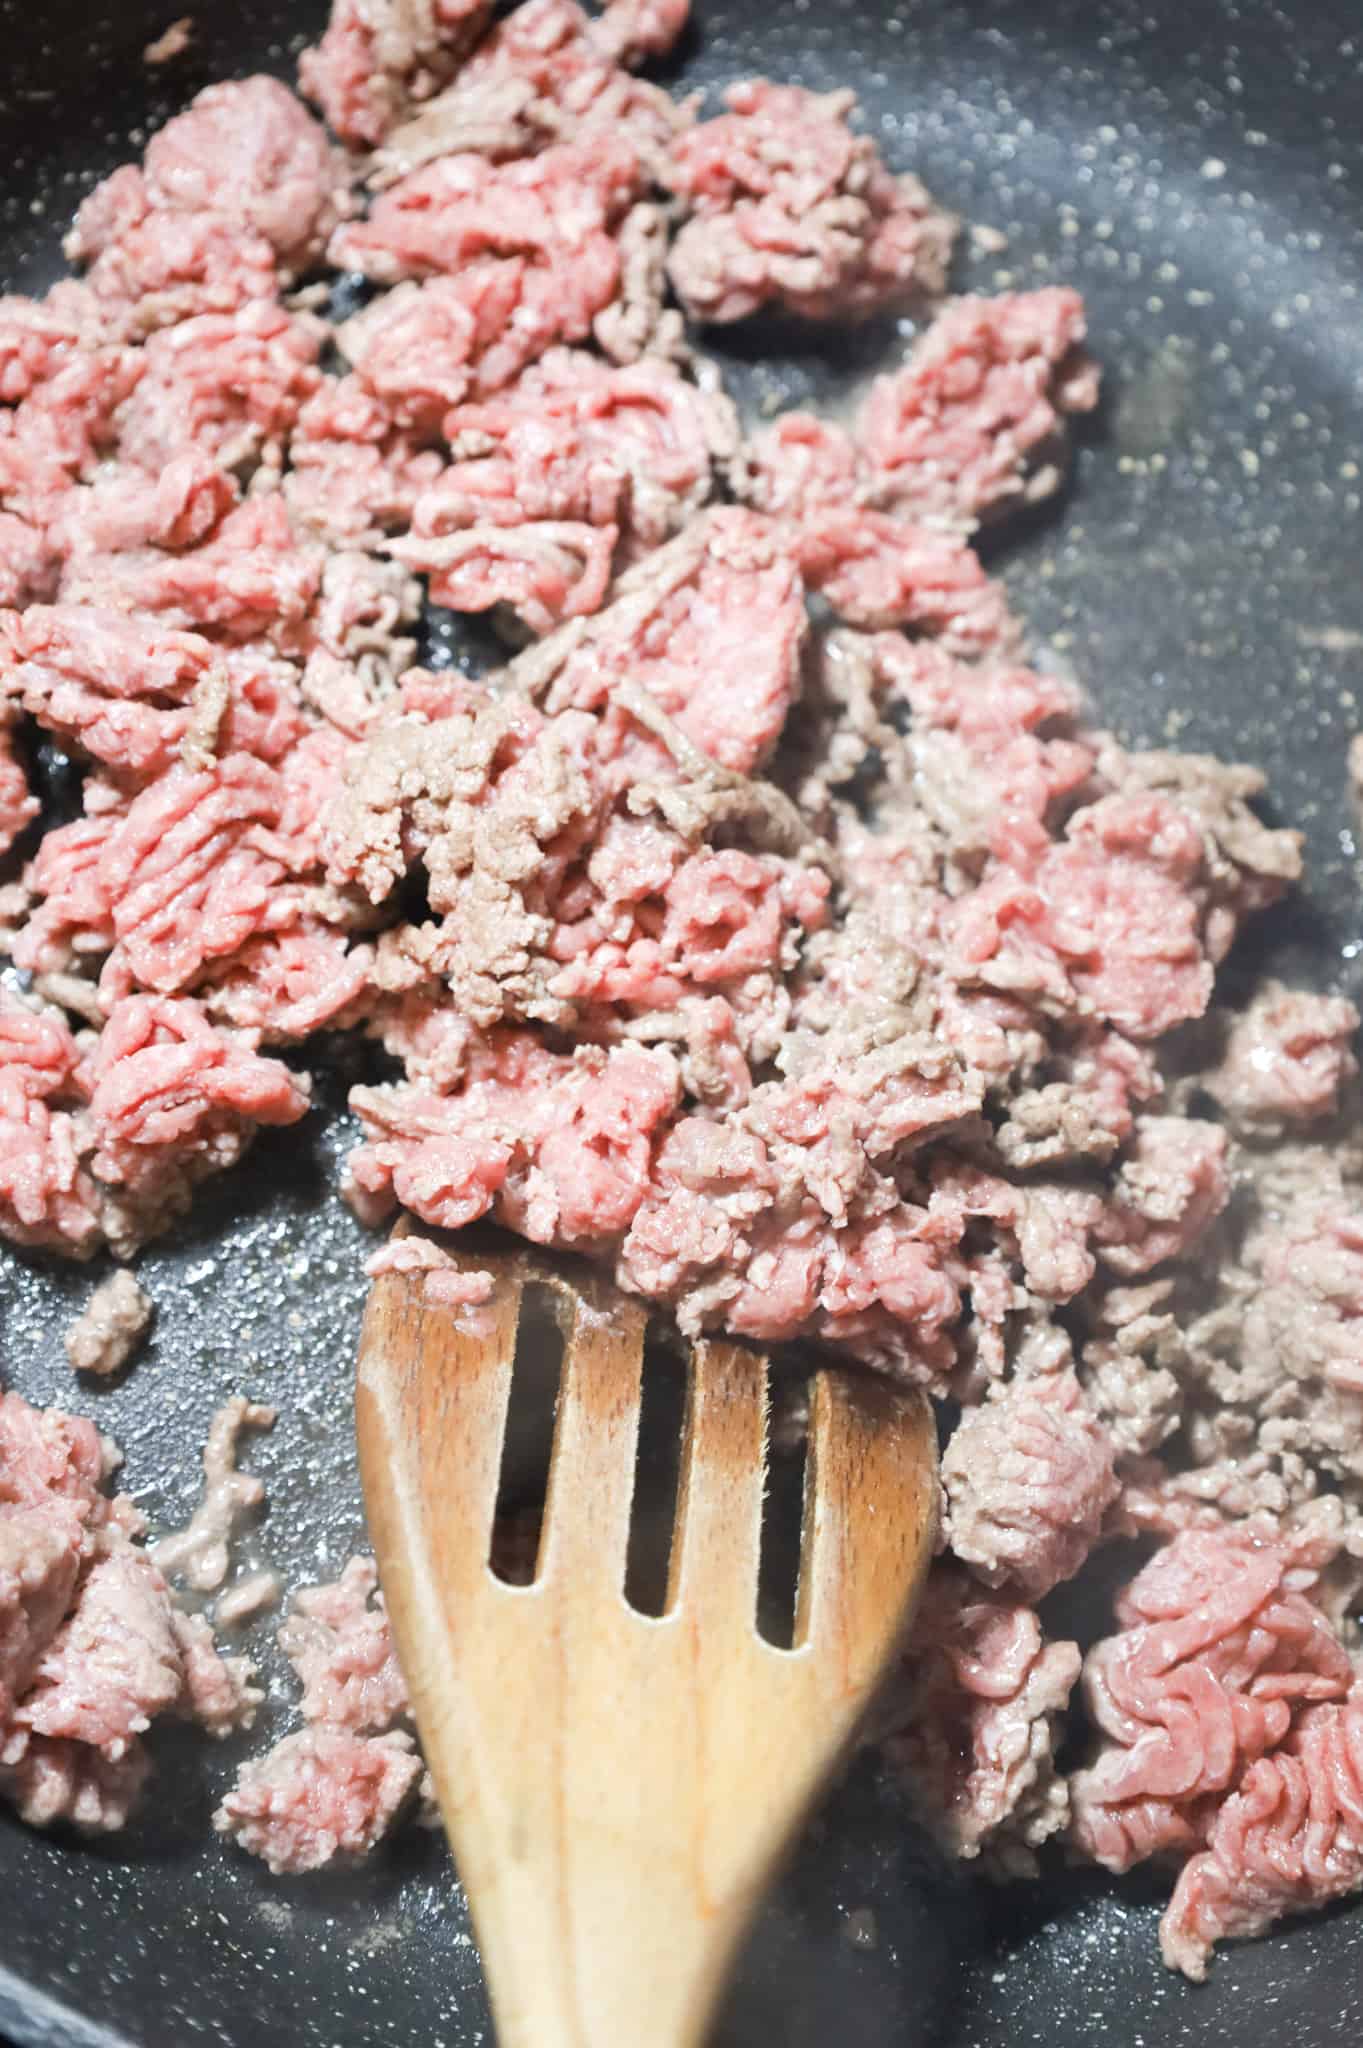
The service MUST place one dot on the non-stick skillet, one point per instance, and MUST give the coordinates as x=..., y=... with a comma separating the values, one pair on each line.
x=1196, y=167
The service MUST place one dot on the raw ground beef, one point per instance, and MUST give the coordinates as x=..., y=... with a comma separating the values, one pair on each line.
x=789, y=207
x=337, y=1786
x=770, y=929
x=548, y=72
x=93, y=1648
x=976, y=1719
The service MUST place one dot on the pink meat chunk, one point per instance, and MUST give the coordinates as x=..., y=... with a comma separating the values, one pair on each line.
x=632, y=31
x=982, y=1694
x=53, y=1782
x=35, y=339
x=375, y=60
x=1306, y=1318
x=285, y=985
x=419, y=349
x=92, y=1648
x=338, y=1640
x=975, y=421
x=996, y=743
x=193, y=870
x=542, y=573
x=28, y=562
x=47, y=1197
x=461, y=211
x=1172, y=1182
x=430, y=343
x=255, y=579
x=47, y=1457
x=18, y=805
x=801, y=460
x=181, y=505
x=711, y=627
x=575, y=438
x=1290, y=1836
x=228, y=384
x=1217, y=1653
x=41, y=1552
x=62, y=430
x=115, y=1664
x=167, y=266
x=248, y=151
x=547, y=72
x=172, y=1098
x=121, y=689
x=790, y=207
x=354, y=476
x=1285, y=1059
x=876, y=571
x=319, y=1795
x=216, y=1692
x=70, y=921
x=1028, y=1477
x=1108, y=920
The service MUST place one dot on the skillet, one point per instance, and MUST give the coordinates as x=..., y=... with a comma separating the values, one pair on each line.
x=1196, y=167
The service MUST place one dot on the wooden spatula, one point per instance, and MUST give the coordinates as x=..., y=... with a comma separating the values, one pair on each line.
x=619, y=1788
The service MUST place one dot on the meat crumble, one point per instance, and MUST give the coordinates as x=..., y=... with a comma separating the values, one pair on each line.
x=765, y=925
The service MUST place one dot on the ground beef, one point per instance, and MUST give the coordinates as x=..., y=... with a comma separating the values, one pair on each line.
x=530, y=241
x=18, y=805
x=354, y=475
x=121, y=689
x=338, y=1641
x=574, y=438
x=1171, y=1183
x=542, y=885
x=92, y=1648
x=166, y=266
x=334, y=1789
x=790, y=207
x=1289, y=1836
x=256, y=579
x=711, y=627
x=227, y=384
x=978, y=1717
x=201, y=1553
x=1028, y=1478
x=374, y=59
x=1219, y=1651
x=446, y=1284
x=976, y=419
x=111, y=1326
x=548, y=72
x=172, y=1099
x=319, y=1795
x=1284, y=1059
x=874, y=571
x=245, y=152
x=806, y=964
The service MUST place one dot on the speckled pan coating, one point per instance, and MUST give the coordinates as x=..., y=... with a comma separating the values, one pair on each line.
x=1195, y=166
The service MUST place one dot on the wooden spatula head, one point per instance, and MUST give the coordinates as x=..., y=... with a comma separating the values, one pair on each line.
x=618, y=1788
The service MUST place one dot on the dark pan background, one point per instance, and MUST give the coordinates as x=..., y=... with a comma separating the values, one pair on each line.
x=1195, y=166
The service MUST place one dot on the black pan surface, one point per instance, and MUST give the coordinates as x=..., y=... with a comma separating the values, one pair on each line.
x=1196, y=167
